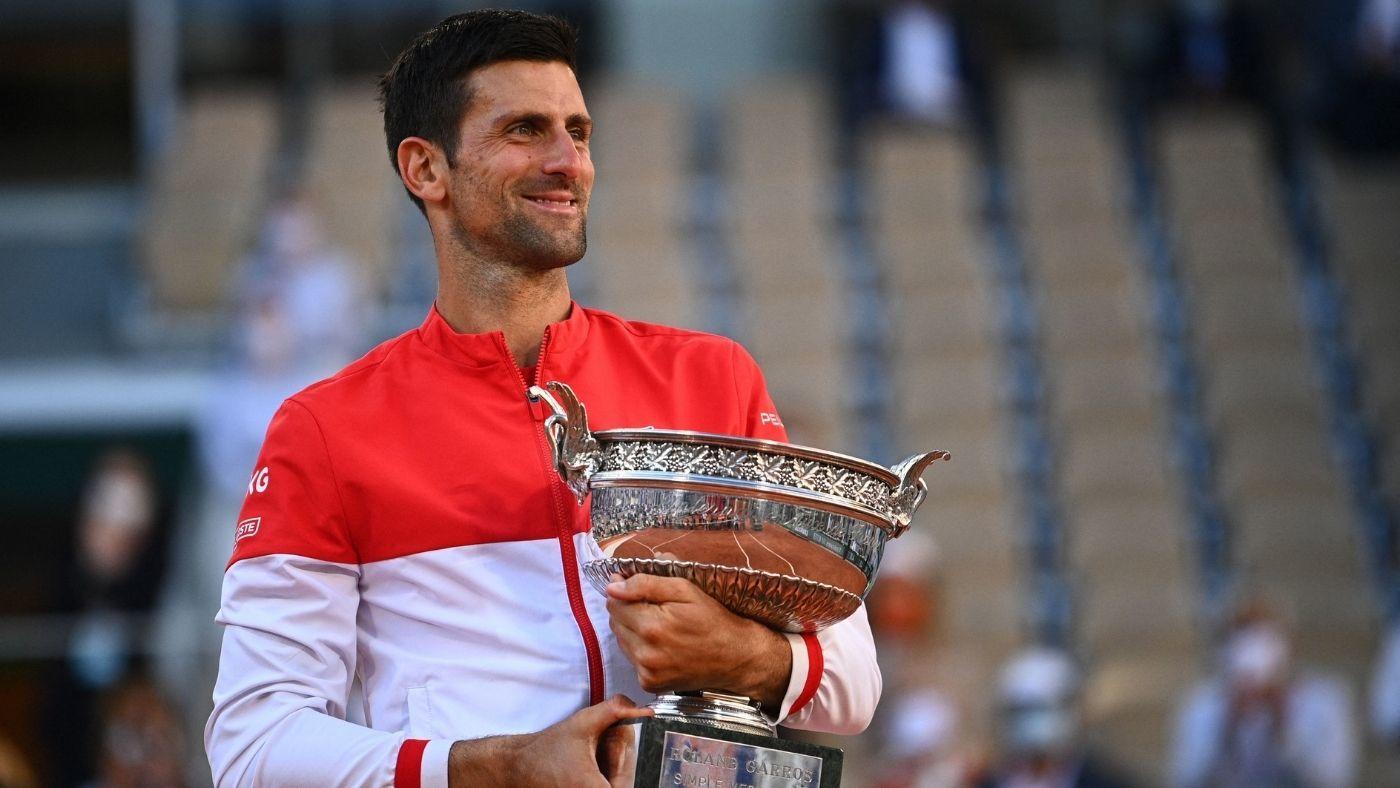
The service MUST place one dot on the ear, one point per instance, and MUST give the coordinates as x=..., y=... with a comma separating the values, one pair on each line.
x=423, y=169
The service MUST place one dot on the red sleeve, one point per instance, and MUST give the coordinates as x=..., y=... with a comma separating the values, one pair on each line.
x=761, y=419
x=293, y=504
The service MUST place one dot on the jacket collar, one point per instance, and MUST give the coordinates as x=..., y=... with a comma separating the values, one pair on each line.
x=490, y=347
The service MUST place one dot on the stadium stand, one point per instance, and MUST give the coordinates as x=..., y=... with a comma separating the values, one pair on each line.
x=640, y=207
x=1121, y=500
x=206, y=200
x=1295, y=533
x=1361, y=198
x=947, y=368
x=350, y=182
x=780, y=190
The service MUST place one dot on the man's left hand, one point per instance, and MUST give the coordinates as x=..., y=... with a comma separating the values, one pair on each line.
x=679, y=638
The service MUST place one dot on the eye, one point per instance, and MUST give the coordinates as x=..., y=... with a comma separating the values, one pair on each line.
x=579, y=134
x=521, y=130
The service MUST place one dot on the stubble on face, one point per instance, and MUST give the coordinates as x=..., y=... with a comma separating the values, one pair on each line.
x=518, y=239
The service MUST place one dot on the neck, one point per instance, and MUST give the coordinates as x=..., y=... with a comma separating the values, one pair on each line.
x=476, y=298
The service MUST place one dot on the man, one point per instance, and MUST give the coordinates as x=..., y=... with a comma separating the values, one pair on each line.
x=1039, y=709
x=1262, y=719
x=404, y=526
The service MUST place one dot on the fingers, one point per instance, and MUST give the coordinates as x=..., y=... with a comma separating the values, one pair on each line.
x=618, y=708
x=640, y=625
x=595, y=719
x=654, y=589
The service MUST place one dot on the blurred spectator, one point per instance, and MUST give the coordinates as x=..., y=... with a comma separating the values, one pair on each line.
x=1356, y=48
x=1249, y=53
x=920, y=747
x=1385, y=691
x=299, y=317
x=142, y=744
x=115, y=527
x=1198, y=50
x=119, y=565
x=308, y=290
x=921, y=77
x=14, y=770
x=1039, y=727
x=915, y=60
x=1259, y=721
x=917, y=732
x=903, y=609
x=240, y=405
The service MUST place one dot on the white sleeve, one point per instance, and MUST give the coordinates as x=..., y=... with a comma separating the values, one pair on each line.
x=1323, y=743
x=1200, y=729
x=285, y=671
x=835, y=681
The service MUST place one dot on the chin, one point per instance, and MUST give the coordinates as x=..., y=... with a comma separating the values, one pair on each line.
x=564, y=252
x=544, y=248
x=552, y=257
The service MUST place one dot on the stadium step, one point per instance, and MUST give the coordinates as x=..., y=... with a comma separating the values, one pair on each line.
x=1134, y=588
x=207, y=198
x=642, y=266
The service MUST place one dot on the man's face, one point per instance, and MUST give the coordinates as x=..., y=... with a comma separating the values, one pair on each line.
x=522, y=174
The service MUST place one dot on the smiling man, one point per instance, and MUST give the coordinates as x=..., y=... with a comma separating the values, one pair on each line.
x=410, y=534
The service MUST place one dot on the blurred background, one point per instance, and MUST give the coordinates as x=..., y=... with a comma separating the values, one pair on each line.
x=1135, y=263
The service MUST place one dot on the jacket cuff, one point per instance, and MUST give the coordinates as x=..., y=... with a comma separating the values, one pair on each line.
x=422, y=763
x=807, y=667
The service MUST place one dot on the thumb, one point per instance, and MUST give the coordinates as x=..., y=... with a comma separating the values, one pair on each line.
x=651, y=588
x=595, y=719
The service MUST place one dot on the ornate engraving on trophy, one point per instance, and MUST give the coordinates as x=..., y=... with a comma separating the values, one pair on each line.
x=658, y=455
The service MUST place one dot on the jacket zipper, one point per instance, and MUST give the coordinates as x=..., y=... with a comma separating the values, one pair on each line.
x=567, y=554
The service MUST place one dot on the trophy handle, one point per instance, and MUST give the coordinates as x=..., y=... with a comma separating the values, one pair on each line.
x=577, y=455
x=911, y=491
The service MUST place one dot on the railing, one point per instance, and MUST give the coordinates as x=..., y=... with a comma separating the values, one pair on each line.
x=1353, y=437
x=869, y=331
x=1049, y=603
x=1191, y=435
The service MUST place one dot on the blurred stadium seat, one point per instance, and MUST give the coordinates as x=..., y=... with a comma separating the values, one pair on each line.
x=206, y=200
x=641, y=205
x=781, y=198
x=350, y=181
x=1361, y=198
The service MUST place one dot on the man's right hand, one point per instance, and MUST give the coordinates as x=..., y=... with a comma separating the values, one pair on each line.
x=564, y=754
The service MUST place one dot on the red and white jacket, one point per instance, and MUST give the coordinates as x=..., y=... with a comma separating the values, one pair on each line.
x=405, y=526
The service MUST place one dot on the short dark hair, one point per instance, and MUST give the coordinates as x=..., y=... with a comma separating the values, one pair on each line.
x=424, y=92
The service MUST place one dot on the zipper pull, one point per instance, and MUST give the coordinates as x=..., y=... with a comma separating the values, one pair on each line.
x=539, y=410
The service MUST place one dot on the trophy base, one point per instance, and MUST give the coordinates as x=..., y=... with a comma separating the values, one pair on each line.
x=716, y=709
x=652, y=752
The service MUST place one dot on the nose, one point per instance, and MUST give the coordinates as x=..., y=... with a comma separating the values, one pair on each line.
x=565, y=157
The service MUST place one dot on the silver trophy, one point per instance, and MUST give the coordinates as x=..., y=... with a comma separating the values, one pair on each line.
x=786, y=535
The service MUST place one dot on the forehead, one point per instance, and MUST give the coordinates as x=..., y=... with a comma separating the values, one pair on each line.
x=514, y=86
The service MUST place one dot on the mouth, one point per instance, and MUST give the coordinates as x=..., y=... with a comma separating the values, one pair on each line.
x=554, y=203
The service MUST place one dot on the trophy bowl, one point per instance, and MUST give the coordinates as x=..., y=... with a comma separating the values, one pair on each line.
x=787, y=535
